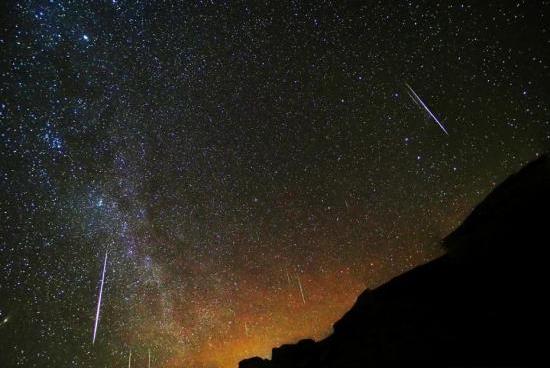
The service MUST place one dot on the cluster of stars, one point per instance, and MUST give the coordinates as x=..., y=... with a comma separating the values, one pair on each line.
x=248, y=168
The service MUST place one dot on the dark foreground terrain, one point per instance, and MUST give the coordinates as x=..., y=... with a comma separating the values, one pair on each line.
x=481, y=304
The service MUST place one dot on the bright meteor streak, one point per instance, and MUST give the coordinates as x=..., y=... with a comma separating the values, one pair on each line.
x=99, y=298
x=426, y=108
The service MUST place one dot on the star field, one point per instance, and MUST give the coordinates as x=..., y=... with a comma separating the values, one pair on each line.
x=249, y=167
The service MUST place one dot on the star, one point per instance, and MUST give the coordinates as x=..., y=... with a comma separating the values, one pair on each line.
x=213, y=149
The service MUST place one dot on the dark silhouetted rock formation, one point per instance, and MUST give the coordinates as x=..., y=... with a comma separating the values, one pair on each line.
x=481, y=304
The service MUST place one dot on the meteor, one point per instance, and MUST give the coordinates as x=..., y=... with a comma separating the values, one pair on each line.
x=413, y=99
x=417, y=99
x=288, y=277
x=301, y=289
x=99, y=298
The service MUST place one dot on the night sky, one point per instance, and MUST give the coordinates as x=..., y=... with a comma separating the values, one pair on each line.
x=249, y=167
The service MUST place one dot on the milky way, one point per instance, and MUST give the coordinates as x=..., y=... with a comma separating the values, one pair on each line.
x=249, y=167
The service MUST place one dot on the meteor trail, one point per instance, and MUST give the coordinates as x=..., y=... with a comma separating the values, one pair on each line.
x=99, y=298
x=301, y=290
x=413, y=99
x=418, y=99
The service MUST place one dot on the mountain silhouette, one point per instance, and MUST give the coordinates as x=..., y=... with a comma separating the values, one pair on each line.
x=483, y=303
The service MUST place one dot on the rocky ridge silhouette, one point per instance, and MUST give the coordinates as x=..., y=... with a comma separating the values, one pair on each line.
x=483, y=303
